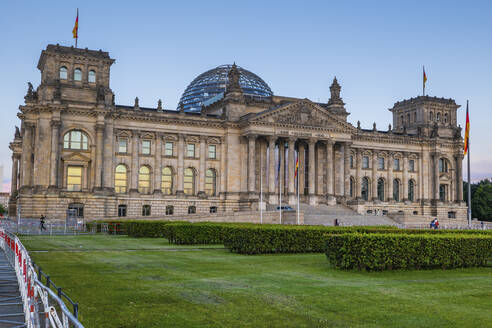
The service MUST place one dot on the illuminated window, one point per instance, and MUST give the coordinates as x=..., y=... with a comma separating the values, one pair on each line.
x=146, y=147
x=74, y=178
x=211, y=152
x=189, y=181
x=168, y=150
x=92, y=77
x=167, y=181
x=77, y=74
x=144, y=180
x=75, y=140
x=210, y=180
x=63, y=73
x=120, y=179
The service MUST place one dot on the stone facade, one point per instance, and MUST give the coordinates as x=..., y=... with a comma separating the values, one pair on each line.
x=76, y=149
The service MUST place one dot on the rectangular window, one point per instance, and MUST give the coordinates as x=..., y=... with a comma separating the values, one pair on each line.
x=211, y=152
x=169, y=210
x=411, y=165
x=381, y=163
x=213, y=209
x=146, y=147
x=351, y=161
x=121, y=210
x=122, y=146
x=365, y=162
x=190, y=150
x=146, y=210
x=168, y=150
x=396, y=164
x=74, y=178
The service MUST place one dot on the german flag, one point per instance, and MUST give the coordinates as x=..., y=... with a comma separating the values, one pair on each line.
x=297, y=167
x=75, y=30
x=467, y=130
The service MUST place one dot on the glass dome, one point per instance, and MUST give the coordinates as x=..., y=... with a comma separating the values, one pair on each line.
x=212, y=83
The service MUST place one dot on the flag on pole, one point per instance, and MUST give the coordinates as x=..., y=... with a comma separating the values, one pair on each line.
x=424, y=79
x=75, y=30
x=425, y=76
x=297, y=167
x=467, y=130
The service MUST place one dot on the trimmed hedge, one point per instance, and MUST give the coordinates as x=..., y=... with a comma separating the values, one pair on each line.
x=407, y=251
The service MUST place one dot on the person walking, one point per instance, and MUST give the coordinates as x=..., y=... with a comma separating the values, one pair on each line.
x=433, y=221
x=436, y=224
x=41, y=223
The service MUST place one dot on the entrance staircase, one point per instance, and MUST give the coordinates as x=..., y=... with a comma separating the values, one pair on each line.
x=326, y=214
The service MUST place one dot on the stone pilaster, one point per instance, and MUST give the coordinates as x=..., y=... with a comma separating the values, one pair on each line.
x=312, y=171
x=55, y=137
x=15, y=173
x=135, y=160
x=158, y=164
x=435, y=161
x=42, y=145
x=405, y=177
x=329, y=173
x=180, y=175
x=108, y=155
x=302, y=167
x=251, y=163
x=374, y=179
x=389, y=178
x=201, y=184
x=459, y=178
x=26, y=154
x=358, y=174
x=223, y=167
x=282, y=180
x=346, y=169
x=99, y=154
x=271, y=167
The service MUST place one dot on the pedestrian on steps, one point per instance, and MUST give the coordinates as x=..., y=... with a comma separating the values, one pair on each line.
x=41, y=223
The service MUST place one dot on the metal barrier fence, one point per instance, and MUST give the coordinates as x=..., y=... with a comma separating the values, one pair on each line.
x=27, y=226
x=42, y=306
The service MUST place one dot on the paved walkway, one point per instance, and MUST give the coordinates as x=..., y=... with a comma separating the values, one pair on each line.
x=11, y=311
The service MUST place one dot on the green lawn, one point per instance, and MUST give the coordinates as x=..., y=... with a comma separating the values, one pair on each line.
x=126, y=282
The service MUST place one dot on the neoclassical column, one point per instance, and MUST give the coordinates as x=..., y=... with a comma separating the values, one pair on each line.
x=320, y=169
x=55, y=136
x=282, y=159
x=435, y=161
x=389, y=178
x=26, y=154
x=302, y=167
x=312, y=167
x=346, y=169
x=108, y=154
x=99, y=154
x=271, y=164
x=374, y=175
x=180, y=175
x=135, y=159
x=15, y=172
x=459, y=178
x=251, y=163
x=405, y=177
x=358, y=173
x=201, y=185
x=158, y=164
x=292, y=192
x=329, y=168
x=223, y=169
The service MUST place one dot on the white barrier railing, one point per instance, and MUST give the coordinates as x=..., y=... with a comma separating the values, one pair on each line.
x=54, y=312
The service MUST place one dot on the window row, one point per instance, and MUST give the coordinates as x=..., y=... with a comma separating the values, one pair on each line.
x=77, y=74
x=410, y=118
x=439, y=117
x=381, y=163
x=168, y=178
x=146, y=210
x=169, y=149
x=381, y=186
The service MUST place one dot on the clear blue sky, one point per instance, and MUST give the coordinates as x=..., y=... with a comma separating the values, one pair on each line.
x=375, y=48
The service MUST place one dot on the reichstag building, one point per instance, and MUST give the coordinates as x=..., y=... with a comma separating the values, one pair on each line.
x=229, y=138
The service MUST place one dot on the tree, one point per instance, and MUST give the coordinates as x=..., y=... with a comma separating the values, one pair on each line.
x=482, y=201
x=3, y=210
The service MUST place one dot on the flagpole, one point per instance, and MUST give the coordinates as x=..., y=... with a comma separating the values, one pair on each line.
x=298, y=221
x=468, y=212
x=261, y=186
x=279, y=184
x=77, y=38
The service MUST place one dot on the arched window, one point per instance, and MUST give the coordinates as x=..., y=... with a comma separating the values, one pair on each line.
x=92, y=76
x=411, y=187
x=365, y=188
x=167, y=181
x=381, y=189
x=120, y=179
x=438, y=117
x=189, y=181
x=77, y=74
x=75, y=139
x=210, y=180
x=144, y=180
x=445, y=117
x=352, y=184
x=63, y=73
x=396, y=190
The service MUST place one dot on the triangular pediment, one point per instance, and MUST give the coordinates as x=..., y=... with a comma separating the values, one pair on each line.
x=76, y=157
x=302, y=113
